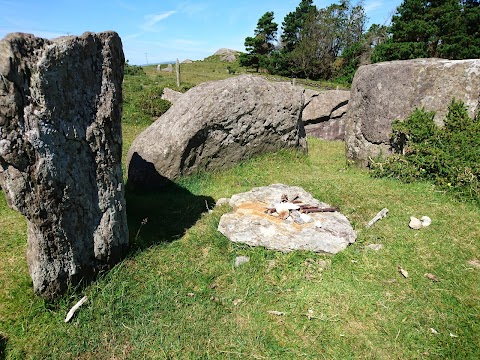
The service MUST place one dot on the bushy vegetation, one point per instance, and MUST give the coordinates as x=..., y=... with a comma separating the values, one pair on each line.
x=330, y=43
x=420, y=29
x=133, y=69
x=449, y=156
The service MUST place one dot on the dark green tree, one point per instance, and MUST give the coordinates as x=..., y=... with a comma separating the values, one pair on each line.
x=442, y=28
x=326, y=34
x=294, y=23
x=261, y=45
x=359, y=53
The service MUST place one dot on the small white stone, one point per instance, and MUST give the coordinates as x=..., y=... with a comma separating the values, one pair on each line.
x=415, y=223
x=239, y=260
x=286, y=206
x=426, y=221
x=306, y=218
x=375, y=247
x=318, y=224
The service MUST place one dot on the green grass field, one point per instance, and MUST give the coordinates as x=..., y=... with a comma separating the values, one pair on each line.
x=178, y=295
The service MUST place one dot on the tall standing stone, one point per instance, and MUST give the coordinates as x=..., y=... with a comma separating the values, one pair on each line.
x=60, y=153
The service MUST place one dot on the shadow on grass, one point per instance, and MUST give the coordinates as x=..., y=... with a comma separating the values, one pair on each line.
x=162, y=215
x=3, y=346
x=158, y=210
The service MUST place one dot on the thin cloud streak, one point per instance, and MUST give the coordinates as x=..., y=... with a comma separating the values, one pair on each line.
x=151, y=20
x=373, y=5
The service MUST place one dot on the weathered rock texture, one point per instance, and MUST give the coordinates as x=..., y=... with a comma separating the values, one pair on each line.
x=227, y=55
x=328, y=232
x=324, y=113
x=171, y=95
x=60, y=152
x=388, y=91
x=216, y=125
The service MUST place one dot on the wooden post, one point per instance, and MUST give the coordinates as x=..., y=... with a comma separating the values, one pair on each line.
x=294, y=81
x=178, y=73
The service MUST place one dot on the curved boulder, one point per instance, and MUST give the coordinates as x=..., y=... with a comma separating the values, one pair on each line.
x=215, y=125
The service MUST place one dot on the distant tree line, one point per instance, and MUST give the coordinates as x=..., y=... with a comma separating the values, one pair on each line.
x=331, y=43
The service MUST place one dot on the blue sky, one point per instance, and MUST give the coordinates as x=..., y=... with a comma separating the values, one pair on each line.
x=157, y=31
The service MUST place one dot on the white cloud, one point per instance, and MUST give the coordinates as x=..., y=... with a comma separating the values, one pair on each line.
x=152, y=19
x=373, y=5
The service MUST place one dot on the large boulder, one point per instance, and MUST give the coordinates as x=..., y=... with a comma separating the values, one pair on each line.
x=324, y=113
x=215, y=125
x=171, y=95
x=255, y=222
x=227, y=55
x=60, y=153
x=384, y=92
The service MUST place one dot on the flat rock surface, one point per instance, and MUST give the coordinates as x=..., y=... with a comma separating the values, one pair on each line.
x=328, y=232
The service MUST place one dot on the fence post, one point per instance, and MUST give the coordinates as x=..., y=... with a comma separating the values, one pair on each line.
x=178, y=73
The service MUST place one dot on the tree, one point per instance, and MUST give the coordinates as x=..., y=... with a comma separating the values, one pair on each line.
x=294, y=23
x=359, y=53
x=325, y=36
x=441, y=28
x=261, y=45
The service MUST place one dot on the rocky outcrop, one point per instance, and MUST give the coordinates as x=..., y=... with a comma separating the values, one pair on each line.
x=255, y=223
x=168, y=68
x=171, y=95
x=215, y=125
x=384, y=92
x=227, y=55
x=60, y=153
x=324, y=113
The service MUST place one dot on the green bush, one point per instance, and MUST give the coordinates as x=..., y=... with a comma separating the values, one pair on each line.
x=150, y=101
x=449, y=156
x=133, y=70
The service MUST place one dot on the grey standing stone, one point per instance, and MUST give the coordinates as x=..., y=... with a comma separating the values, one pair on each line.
x=384, y=92
x=60, y=153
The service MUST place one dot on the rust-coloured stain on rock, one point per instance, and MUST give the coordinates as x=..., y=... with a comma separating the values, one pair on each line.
x=258, y=209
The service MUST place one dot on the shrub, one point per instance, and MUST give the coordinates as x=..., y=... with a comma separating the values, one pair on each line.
x=448, y=156
x=150, y=101
x=133, y=70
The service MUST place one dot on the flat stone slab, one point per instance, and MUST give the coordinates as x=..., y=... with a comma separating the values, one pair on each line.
x=253, y=222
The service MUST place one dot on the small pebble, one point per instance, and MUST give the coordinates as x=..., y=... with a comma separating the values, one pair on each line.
x=239, y=260
x=375, y=247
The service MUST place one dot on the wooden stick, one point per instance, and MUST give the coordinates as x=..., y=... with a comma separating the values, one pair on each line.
x=381, y=214
x=75, y=308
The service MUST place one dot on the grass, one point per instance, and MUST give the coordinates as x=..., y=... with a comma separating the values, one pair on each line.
x=178, y=295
